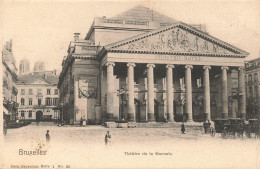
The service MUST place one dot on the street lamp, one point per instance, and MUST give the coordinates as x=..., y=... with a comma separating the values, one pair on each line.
x=61, y=114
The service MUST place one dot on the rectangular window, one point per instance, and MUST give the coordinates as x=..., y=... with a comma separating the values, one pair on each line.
x=30, y=101
x=55, y=101
x=30, y=113
x=56, y=91
x=256, y=92
x=250, y=79
x=255, y=77
x=55, y=114
x=39, y=91
x=30, y=91
x=48, y=101
x=48, y=91
x=39, y=101
x=22, y=113
x=22, y=91
x=250, y=91
x=22, y=101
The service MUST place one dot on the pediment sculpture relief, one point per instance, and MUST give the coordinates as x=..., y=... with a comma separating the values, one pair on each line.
x=175, y=40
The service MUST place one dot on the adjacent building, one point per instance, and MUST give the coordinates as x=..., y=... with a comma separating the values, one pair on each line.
x=252, y=88
x=38, y=95
x=142, y=66
x=10, y=105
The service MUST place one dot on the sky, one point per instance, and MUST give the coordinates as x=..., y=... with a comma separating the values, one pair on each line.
x=42, y=30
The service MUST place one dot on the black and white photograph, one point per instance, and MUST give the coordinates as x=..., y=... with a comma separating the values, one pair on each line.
x=130, y=84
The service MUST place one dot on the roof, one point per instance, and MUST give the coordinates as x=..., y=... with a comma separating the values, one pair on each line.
x=27, y=79
x=142, y=13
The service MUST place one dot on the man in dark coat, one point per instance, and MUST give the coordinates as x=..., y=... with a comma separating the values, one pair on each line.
x=182, y=128
x=47, y=136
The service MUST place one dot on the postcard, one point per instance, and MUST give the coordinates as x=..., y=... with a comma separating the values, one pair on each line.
x=130, y=84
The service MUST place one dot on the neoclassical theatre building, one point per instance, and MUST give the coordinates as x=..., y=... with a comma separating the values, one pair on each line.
x=142, y=66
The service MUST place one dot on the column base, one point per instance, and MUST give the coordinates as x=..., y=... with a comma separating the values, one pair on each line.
x=224, y=115
x=189, y=118
x=151, y=117
x=109, y=117
x=169, y=118
x=130, y=117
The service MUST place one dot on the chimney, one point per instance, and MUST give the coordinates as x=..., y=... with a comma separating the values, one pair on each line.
x=76, y=36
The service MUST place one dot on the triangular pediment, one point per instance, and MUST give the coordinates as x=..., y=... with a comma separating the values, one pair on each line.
x=178, y=38
x=39, y=82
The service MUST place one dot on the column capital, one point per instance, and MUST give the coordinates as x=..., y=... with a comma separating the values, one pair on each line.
x=110, y=64
x=224, y=67
x=131, y=64
x=206, y=67
x=189, y=66
x=150, y=65
x=241, y=68
x=170, y=66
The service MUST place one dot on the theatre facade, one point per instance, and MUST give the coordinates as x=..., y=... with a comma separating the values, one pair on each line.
x=146, y=70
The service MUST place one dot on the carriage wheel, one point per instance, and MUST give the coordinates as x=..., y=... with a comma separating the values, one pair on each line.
x=212, y=132
x=239, y=134
x=223, y=134
x=248, y=134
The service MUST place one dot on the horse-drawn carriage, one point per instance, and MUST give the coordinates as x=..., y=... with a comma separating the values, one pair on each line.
x=235, y=127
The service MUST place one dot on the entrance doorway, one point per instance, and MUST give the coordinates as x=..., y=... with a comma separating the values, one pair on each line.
x=137, y=111
x=39, y=115
x=156, y=110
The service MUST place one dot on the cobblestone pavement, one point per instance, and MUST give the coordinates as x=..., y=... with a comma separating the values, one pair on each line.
x=84, y=147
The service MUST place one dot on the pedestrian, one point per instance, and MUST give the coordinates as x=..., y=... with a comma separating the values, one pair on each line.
x=81, y=121
x=107, y=138
x=182, y=128
x=47, y=136
x=205, y=125
x=209, y=124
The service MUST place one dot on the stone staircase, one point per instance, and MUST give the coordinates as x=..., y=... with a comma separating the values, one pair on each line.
x=188, y=125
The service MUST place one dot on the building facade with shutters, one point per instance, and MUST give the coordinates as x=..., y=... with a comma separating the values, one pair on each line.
x=252, y=88
x=142, y=66
x=38, y=95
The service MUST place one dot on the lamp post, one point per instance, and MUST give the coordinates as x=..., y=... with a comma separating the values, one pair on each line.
x=61, y=104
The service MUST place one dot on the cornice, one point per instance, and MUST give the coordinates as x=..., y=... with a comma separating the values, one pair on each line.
x=176, y=53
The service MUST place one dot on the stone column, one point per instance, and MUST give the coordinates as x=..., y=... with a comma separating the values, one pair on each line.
x=110, y=90
x=188, y=93
x=224, y=93
x=150, y=78
x=130, y=88
x=206, y=85
x=170, y=113
x=242, y=92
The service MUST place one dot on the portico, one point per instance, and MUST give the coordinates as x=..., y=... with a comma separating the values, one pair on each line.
x=172, y=83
